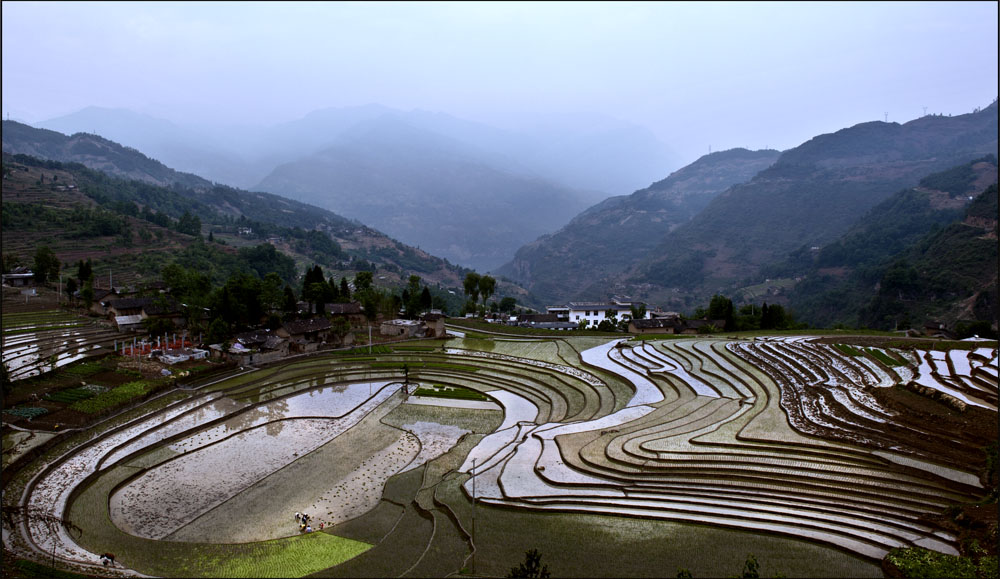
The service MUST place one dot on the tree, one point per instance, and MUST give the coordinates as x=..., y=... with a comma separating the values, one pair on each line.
x=531, y=567
x=271, y=295
x=487, y=286
x=508, y=304
x=85, y=270
x=345, y=290
x=46, y=264
x=87, y=293
x=189, y=224
x=638, y=312
x=471, y=285
x=315, y=288
x=363, y=281
x=218, y=331
x=411, y=296
x=289, y=305
x=426, y=301
x=10, y=261
x=751, y=568
x=71, y=287
x=721, y=308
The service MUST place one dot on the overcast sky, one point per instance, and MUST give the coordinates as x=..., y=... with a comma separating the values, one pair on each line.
x=698, y=74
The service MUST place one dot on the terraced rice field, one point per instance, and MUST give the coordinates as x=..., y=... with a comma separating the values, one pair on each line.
x=39, y=342
x=779, y=440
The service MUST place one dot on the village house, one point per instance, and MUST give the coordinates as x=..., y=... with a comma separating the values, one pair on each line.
x=403, y=328
x=434, y=324
x=254, y=347
x=173, y=356
x=352, y=312
x=129, y=313
x=594, y=312
x=672, y=325
x=308, y=335
x=19, y=277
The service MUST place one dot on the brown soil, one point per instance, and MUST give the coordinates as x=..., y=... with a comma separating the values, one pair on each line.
x=965, y=434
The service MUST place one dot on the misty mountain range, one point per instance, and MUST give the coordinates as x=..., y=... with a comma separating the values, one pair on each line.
x=728, y=223
x=456, y=188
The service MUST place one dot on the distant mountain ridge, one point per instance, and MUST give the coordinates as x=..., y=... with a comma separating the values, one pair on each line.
x=482, y=180
x=811, y=195
x=614, y=235
x=202, y=197
x=429, y=189
x=95, y=152
x=842, y=280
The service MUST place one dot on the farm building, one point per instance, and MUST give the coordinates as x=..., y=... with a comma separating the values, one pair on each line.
x=19, y=277
x=594, y=312
x=305, y=335
x=403, y=328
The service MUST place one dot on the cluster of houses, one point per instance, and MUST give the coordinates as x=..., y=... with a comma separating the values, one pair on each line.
x=571, y=315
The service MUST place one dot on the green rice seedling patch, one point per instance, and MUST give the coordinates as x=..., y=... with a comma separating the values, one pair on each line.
x=392, y=557
x=416, y=365
x=590, y=545
x=883, y=357
x=28, y=412
x=128, y=372
x=363, y=350
x=472, y=419
x=359, y=359
x=84, y=369
x=848, y=350
x=290, y=557
x=456, y=392
x=70, y=395
x=917, y=562
x=417, y=348
x=113, y=397
x=30, y=570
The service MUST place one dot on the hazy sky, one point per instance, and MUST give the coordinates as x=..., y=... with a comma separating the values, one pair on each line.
x=699, y=74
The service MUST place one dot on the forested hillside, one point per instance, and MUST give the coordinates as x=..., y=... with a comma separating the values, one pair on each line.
x=840, y=279
x=126, y=183
x=809, y=197
x=614, y=235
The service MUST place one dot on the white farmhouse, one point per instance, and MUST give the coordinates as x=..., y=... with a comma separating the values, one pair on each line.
x=595, y=312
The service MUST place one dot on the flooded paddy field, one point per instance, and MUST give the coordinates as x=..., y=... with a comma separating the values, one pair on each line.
x=642, y=455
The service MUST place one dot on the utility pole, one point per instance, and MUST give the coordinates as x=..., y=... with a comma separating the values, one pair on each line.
x=473, y=516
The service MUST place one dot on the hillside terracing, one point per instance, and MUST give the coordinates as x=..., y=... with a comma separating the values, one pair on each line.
x=785, y=436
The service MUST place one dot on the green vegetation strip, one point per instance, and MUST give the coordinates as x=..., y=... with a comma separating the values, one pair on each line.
x=70, y=395
x=290, y=557
x=884, y=358
x=848, y=350
x=84, y=369
x=364, y=350
x=424, y=365
x=113, y=397
x=918, y=562
x=28, y=412
x=451, y=392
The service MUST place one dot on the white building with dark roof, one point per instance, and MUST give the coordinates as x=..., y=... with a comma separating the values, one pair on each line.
x=594, y=312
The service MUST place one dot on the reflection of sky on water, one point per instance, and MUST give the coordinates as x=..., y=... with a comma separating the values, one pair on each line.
x=330, y=401
x=24, y=359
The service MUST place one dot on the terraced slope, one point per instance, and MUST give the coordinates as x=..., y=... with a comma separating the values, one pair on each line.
x=783, y=436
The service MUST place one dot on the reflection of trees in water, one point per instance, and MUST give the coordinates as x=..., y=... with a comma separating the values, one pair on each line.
x=266, y=412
